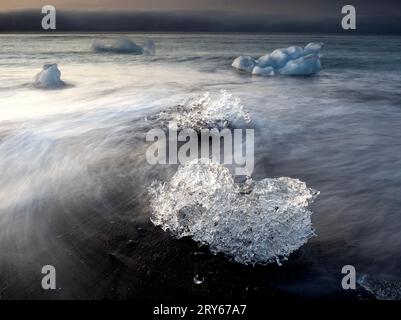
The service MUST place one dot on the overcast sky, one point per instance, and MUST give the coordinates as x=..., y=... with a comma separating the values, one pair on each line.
x=304, y=7
x=202, y=15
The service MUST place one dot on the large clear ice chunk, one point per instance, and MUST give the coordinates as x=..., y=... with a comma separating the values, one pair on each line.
x=257, y=222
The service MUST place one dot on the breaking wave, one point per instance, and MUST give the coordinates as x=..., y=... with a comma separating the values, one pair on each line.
x=207, y=111
x=257, y=222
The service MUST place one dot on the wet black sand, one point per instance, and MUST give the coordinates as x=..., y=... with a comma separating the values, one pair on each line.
x=144, y=263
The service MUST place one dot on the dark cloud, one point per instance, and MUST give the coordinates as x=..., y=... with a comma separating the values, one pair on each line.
x=198, y=21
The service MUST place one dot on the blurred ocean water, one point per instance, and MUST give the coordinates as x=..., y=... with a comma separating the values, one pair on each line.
x=72, y=160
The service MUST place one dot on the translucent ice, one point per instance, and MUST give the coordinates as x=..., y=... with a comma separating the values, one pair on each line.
x=49, y=77
x=124, y=46
x=288, y=61
x=258, y=222
x=208, y=111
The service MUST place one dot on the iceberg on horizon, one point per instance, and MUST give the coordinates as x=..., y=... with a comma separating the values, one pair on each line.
x=125, y=46
x=293, y=60
x=49, y=77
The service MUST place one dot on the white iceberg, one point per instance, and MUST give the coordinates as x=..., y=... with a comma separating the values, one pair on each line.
x=124, y=46
x=244, y=63
x=258, y=222
x=49, y=77
x=293, y=60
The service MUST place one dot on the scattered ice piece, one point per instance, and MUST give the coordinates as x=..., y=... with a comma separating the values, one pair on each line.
x=262, y=225
x=208, y=111
x=49, y=77
x=381, y=289
x=198, y=279
x=124, y=46
x=244, y=63
x=293, y=60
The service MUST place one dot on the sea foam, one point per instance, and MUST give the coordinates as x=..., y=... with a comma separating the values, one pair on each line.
x=257, y=222
x=288, y=61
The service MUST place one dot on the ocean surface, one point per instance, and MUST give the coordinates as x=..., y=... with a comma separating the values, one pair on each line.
x=74, y=178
